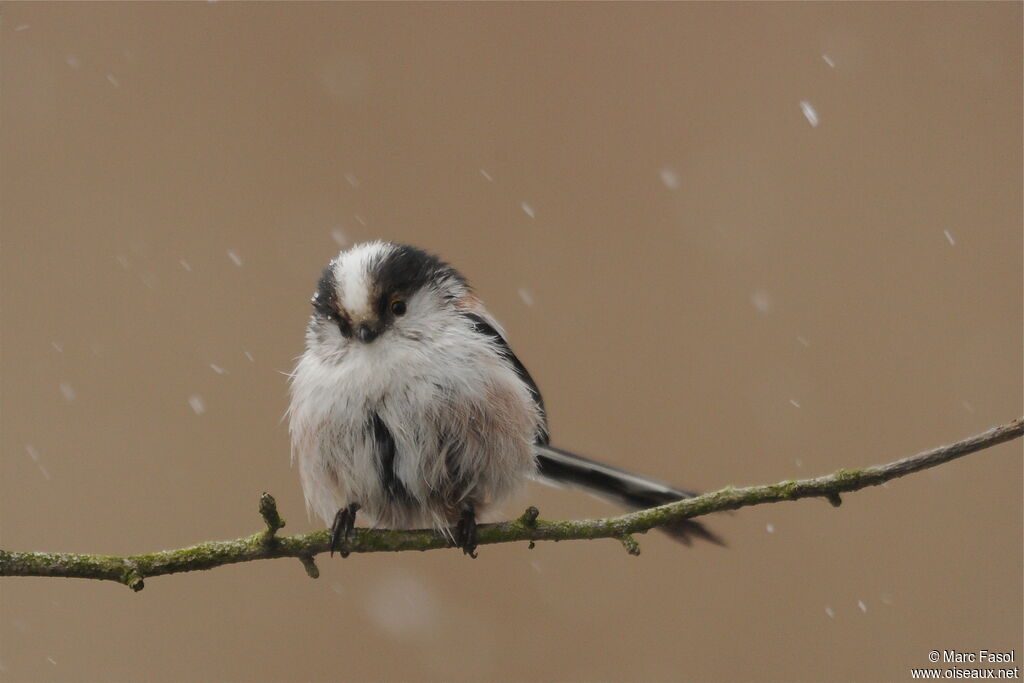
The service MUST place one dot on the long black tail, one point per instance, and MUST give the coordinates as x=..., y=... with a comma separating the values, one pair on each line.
x=558, y=467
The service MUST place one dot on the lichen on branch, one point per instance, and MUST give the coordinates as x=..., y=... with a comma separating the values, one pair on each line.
x=132, y=570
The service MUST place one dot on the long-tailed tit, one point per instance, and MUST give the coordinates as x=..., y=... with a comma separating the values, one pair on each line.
x=409, y=405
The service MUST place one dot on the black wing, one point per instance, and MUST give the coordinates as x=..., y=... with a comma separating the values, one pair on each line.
x=481, y=326
x=562, y=467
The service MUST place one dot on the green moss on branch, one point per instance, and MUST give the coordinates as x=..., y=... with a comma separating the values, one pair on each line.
x=266, y=545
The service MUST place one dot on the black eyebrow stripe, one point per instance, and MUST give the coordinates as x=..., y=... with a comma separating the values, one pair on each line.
x=403, y=270
x=325, y=299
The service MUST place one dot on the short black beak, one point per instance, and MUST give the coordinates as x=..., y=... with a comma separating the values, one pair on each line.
x=366, y=333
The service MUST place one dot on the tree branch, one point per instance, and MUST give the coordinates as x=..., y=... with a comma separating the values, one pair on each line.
x=266, y=545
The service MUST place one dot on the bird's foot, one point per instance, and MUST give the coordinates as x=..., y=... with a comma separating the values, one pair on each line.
x=465, y=532
x=341, y=530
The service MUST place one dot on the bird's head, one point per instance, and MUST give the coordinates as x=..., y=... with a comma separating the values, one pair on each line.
x=378, y=290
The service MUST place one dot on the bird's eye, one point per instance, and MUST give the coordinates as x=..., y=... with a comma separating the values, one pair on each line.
x=398, y=307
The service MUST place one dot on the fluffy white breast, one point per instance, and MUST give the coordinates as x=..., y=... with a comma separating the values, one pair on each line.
x=461, y=420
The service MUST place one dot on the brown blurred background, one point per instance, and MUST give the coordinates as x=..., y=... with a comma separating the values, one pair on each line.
x=734, y=243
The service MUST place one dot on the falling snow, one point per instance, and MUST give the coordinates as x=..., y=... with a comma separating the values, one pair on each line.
x=487, y=175
x=68, y=391
x=73, y=61
x=235, y=258
x=33, y=454
x=809, y=113
x=113, y=80
x=249, y=356
x=402, y=606
x=197, y=404
x=862, y=606
x=795, y=403
x=670, y=178
x=351, y=179
x=218, y=369
x=967, y=406
x=949, y=237
x=828, y=60
x=22, y=27
x=830, y=612
x=527, y=209
x=57, y=346
x=185, y=265
x=762, y=301
x=802, y=340
x=525, y=295
x=770, y=528
x=339, y=237
x=359, y=219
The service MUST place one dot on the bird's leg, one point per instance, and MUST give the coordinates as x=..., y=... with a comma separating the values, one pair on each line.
x=465, y=530
x=341, y=530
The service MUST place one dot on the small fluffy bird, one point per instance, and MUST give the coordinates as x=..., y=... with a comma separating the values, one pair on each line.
x=409, y=406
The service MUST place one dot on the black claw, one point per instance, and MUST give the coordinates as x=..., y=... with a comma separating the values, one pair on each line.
x=341, y=530
x=465, y=532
